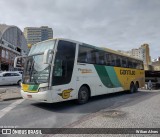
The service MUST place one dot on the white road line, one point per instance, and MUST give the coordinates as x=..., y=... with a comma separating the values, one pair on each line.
x=10, y=107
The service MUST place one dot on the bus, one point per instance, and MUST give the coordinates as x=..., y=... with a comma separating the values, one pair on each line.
x=60, y=69
x=154, y=77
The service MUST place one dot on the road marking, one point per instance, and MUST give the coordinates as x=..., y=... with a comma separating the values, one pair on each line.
x=10, y=107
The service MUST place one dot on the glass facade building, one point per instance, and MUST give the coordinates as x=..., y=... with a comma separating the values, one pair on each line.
x=12, y=44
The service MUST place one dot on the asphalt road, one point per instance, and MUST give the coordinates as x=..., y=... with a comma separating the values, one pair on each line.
x=30, y=114
x=9, y=86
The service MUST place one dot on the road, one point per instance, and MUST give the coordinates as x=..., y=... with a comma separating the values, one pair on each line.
x=30, y=114
x=35, y=114
x=9, y=86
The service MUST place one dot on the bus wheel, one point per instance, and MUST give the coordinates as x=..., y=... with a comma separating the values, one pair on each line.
x=83, y=95
x=136, y=87
x=132, y=88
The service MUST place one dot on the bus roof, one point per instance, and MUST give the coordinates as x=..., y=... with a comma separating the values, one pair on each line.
x=88, y=45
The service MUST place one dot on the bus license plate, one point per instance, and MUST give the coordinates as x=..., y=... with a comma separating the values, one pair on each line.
x=29, y=96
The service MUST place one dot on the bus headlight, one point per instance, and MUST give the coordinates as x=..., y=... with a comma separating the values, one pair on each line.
x=42, y=89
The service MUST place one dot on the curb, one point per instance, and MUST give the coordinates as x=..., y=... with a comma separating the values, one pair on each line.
x=7, y=99
x=9, y=94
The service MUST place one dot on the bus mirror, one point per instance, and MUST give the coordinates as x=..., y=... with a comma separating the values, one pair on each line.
x=19, y=62
x=46, y=59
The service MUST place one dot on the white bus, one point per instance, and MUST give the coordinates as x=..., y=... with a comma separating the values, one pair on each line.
x=60, y=69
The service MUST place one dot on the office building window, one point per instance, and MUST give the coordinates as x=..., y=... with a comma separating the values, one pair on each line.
x=3, y=53
x=7, y=55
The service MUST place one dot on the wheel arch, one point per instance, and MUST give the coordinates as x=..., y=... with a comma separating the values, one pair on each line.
x=131, y=83
x=19, y=80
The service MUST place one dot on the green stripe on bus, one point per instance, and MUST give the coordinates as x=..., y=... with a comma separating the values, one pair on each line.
x=33, y=87
x=102, y=72
x=113, y=77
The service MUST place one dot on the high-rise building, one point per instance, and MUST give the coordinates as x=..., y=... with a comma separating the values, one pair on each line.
x=146, y=54
x=143, y=53
x=37, y=34
x=12, y=44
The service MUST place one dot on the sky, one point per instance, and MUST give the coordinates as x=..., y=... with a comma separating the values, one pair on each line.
x=115, y=24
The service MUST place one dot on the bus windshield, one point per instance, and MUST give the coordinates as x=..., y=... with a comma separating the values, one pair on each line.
x=35, y=71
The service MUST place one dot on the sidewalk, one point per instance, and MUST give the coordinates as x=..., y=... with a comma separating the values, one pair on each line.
x=9, y=93
x=140, y=113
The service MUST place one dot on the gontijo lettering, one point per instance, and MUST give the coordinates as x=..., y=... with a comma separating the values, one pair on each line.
x=127, y=72
x=85, y=70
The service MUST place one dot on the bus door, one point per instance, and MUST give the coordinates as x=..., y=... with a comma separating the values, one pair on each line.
x=63, y=80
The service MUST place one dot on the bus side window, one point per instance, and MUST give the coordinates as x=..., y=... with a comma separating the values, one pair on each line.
x=86, y=55
x=108, y=59
x=140, y=65
x=118, y=61
x=130, y=63
x=101, y=59
x=113, y=60
x=82, y=55
x=135, y=64
x=88, y=58
x=93, y=56
x=124, y=62
x=97, y=58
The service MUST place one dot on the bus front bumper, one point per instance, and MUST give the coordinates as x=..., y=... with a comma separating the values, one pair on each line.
x=44, y=96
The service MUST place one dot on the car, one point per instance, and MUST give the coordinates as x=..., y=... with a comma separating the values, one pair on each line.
x=21, y=72
x=10, y=77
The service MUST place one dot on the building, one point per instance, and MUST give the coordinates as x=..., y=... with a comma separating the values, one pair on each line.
x=156, y=64
x=142, y=53
x=137, y=53
x=12, y=44
x=37, y=34
x=146, y=54
x=125, y=52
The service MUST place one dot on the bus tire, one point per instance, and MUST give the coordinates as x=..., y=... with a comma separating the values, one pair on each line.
x=83, y=95
x=132, y=88
x=136, y=87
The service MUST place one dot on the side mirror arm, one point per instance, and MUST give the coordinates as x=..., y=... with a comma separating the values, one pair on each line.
x=46, y=56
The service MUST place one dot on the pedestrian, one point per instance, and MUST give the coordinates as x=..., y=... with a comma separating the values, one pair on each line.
x=150, y=85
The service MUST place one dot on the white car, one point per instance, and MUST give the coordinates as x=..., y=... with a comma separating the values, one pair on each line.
x=9, y=77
